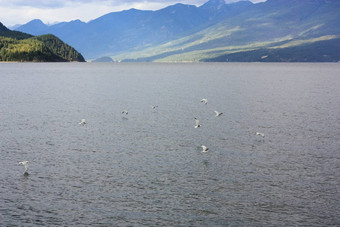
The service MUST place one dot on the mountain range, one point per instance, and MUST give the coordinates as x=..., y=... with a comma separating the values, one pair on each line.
x=214, y=31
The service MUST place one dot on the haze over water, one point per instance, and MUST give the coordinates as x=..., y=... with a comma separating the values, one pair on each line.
x=147, y=168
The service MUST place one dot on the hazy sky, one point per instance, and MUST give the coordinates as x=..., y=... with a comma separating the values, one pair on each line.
x=14, y=12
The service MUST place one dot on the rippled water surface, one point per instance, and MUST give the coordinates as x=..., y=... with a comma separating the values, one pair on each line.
x=147, y=168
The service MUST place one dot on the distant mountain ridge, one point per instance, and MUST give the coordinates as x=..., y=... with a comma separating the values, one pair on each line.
x=188, y=33
x=18, y=46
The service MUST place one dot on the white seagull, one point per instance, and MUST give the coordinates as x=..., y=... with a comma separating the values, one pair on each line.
x=82, y=122
x=25, y=163
x=205, y=101
x=125, y=112
x=218, y=113
x=197, y=125
x=260, y=134
x=154, y=107
x=204, y=148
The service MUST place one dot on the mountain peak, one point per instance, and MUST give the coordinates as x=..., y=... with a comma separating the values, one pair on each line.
x=214, y=3
x=36, y=22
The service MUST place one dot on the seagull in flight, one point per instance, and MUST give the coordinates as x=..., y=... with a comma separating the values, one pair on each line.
x=125, y=112
x=218, y=113
x=260, y=134
x=205, y=101
x=154, y=107
x=204, y=148
x=197, y=125
x=82, y=122
x=25, y=163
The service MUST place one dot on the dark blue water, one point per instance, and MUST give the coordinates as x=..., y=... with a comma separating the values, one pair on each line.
x=146, y=168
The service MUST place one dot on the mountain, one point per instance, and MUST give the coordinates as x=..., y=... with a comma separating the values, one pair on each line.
x=317, y=51
x=189, y=33
x=18, y=46
x=103, y=59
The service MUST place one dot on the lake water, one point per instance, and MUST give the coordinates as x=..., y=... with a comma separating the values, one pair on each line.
x=146, y=168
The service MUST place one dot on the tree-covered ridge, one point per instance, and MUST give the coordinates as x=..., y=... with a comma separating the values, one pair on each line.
x=18, y=46
x=25, y=50
x=60, y=48
x=12, y=34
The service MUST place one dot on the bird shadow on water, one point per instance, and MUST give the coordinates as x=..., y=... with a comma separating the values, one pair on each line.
x=206, y=164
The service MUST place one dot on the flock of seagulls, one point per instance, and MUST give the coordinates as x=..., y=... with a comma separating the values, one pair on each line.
x=125, y=112
x=197, y=122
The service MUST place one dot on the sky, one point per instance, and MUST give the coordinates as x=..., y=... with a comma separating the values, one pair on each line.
x=14, y=12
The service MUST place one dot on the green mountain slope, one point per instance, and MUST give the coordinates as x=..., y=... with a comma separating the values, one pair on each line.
x=18, y=46
x=318, y=51
x=271, y=24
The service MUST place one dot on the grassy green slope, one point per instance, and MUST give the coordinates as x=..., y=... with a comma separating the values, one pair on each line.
x=314, y=51
x=267, y=26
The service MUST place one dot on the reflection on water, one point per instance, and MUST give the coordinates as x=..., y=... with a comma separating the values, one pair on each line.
x=147, y=168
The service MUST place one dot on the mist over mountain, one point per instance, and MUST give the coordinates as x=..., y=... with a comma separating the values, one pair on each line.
x=188, y=33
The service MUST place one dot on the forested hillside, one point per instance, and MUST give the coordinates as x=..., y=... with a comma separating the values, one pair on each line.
x=18, y=46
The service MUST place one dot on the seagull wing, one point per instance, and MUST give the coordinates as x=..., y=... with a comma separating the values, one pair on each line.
x=25, y=163
x=205, y=101
x=205, y=149
x=197, y=123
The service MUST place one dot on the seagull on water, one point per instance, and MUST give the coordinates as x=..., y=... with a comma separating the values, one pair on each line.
x=25, y=163
x=197, y=125
x=205, y=101
x=218, y=113
x=125, y=112
x=82, y=122
x=204, y=148
x=260, y=134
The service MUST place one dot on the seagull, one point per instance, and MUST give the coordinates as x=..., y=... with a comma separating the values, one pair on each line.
x=218, y=113
x=260, y=134
x=205, y=101
x=205, y=149
x=154, y=107
x=82, y=122
x=197, y=125
x=125, y=112
x=25, y=163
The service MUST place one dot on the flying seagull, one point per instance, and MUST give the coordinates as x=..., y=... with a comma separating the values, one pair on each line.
x=197, y=125
x=25, y=163
x=218, y=113
x=154, y=107
x=204, y=148
x=205, y=101
x=125, y=112
x=82, y=122
x=260, y=134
